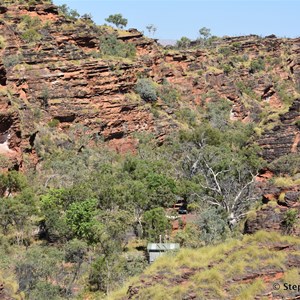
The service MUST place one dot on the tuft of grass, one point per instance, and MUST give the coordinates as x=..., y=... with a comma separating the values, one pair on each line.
x=291, y=276
x=209, y=276
x=263, y=237
x=235, y=268
x=2, y=42
x=250, y=291
x=156, y=292
x=213, y=268
x=286, y=181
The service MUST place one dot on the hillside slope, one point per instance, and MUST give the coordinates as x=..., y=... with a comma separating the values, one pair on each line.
x=252, y=268
x=54, y=68
x=103, y=132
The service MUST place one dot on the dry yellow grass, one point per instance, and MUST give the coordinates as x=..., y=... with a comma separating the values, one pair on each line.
x=210, y=270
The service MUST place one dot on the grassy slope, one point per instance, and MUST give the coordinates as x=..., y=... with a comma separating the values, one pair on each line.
x=237, y=269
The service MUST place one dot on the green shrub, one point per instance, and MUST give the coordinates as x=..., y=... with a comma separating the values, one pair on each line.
x=155, y=223
x=284, y=92
x=146, y=89
x=290, y=219
x=135, y=264
x=31, y=35
x=226, y=68
x=246, y=88
x=287, y=164
x=28, y=22
x=12, y=60
x=236, y=45
x=212, y=225
x=186, y=115
x=71, y=14
x=257, y=65
x=45, y=97
x=169, y=94
x=183, y=43
x=110, y=45
x=225, y=51
x=53, y=123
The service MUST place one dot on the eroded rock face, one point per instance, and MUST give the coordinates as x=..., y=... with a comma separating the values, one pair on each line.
x=59, y=78
x=284, y=138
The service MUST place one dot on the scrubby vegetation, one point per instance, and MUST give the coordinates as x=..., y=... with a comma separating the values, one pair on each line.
x=75, y=218
x=208, y=272
x=146, y=88
x=76, y=225
x=111, y=46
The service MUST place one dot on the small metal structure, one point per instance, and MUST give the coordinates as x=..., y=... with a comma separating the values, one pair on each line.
x=157, y=249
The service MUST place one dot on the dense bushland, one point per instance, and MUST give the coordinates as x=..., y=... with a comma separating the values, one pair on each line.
x=85, y=213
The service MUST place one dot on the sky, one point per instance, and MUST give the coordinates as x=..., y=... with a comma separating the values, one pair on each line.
x=176, y=18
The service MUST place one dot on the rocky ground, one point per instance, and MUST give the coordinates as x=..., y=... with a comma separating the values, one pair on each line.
x=61, y=79
x=258, y=267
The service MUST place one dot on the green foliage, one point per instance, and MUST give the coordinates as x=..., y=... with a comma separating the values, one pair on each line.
x=218, y=113
x=204, y=33
x=146, y=89
x=53, y=206
x=287, y=164
x=29, y=27
x=12, y=182
x=35, y=268
x=236, y=45
x=79, y=217
x=110, y=45
x=213, y=267
x=9, y=287
x=284, y=92
x=45, y=98
x=44, y=291
x=212, y=225
x=31, y=35
x=189, y=237
x=186, y=115
x=151, y=28
x=285, y=181
x=183, y=43
x=92, y=201
x=225, y=51
x=106, y=272
x=71, y=14
x=221, y=166
x=169, y=94
x=135, y=264
x=257, y=65
x=227, y=68
x=28, y=22
x=290, y=219
x=118, y=20
x=246, y=89
x=75, y=251
x=53, y=123
x=156, y=224
x=12, y=60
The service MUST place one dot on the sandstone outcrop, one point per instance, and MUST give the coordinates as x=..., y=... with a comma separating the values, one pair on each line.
x=61, y=78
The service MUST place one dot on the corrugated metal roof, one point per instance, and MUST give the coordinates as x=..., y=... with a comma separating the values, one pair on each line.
x=163, y=246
